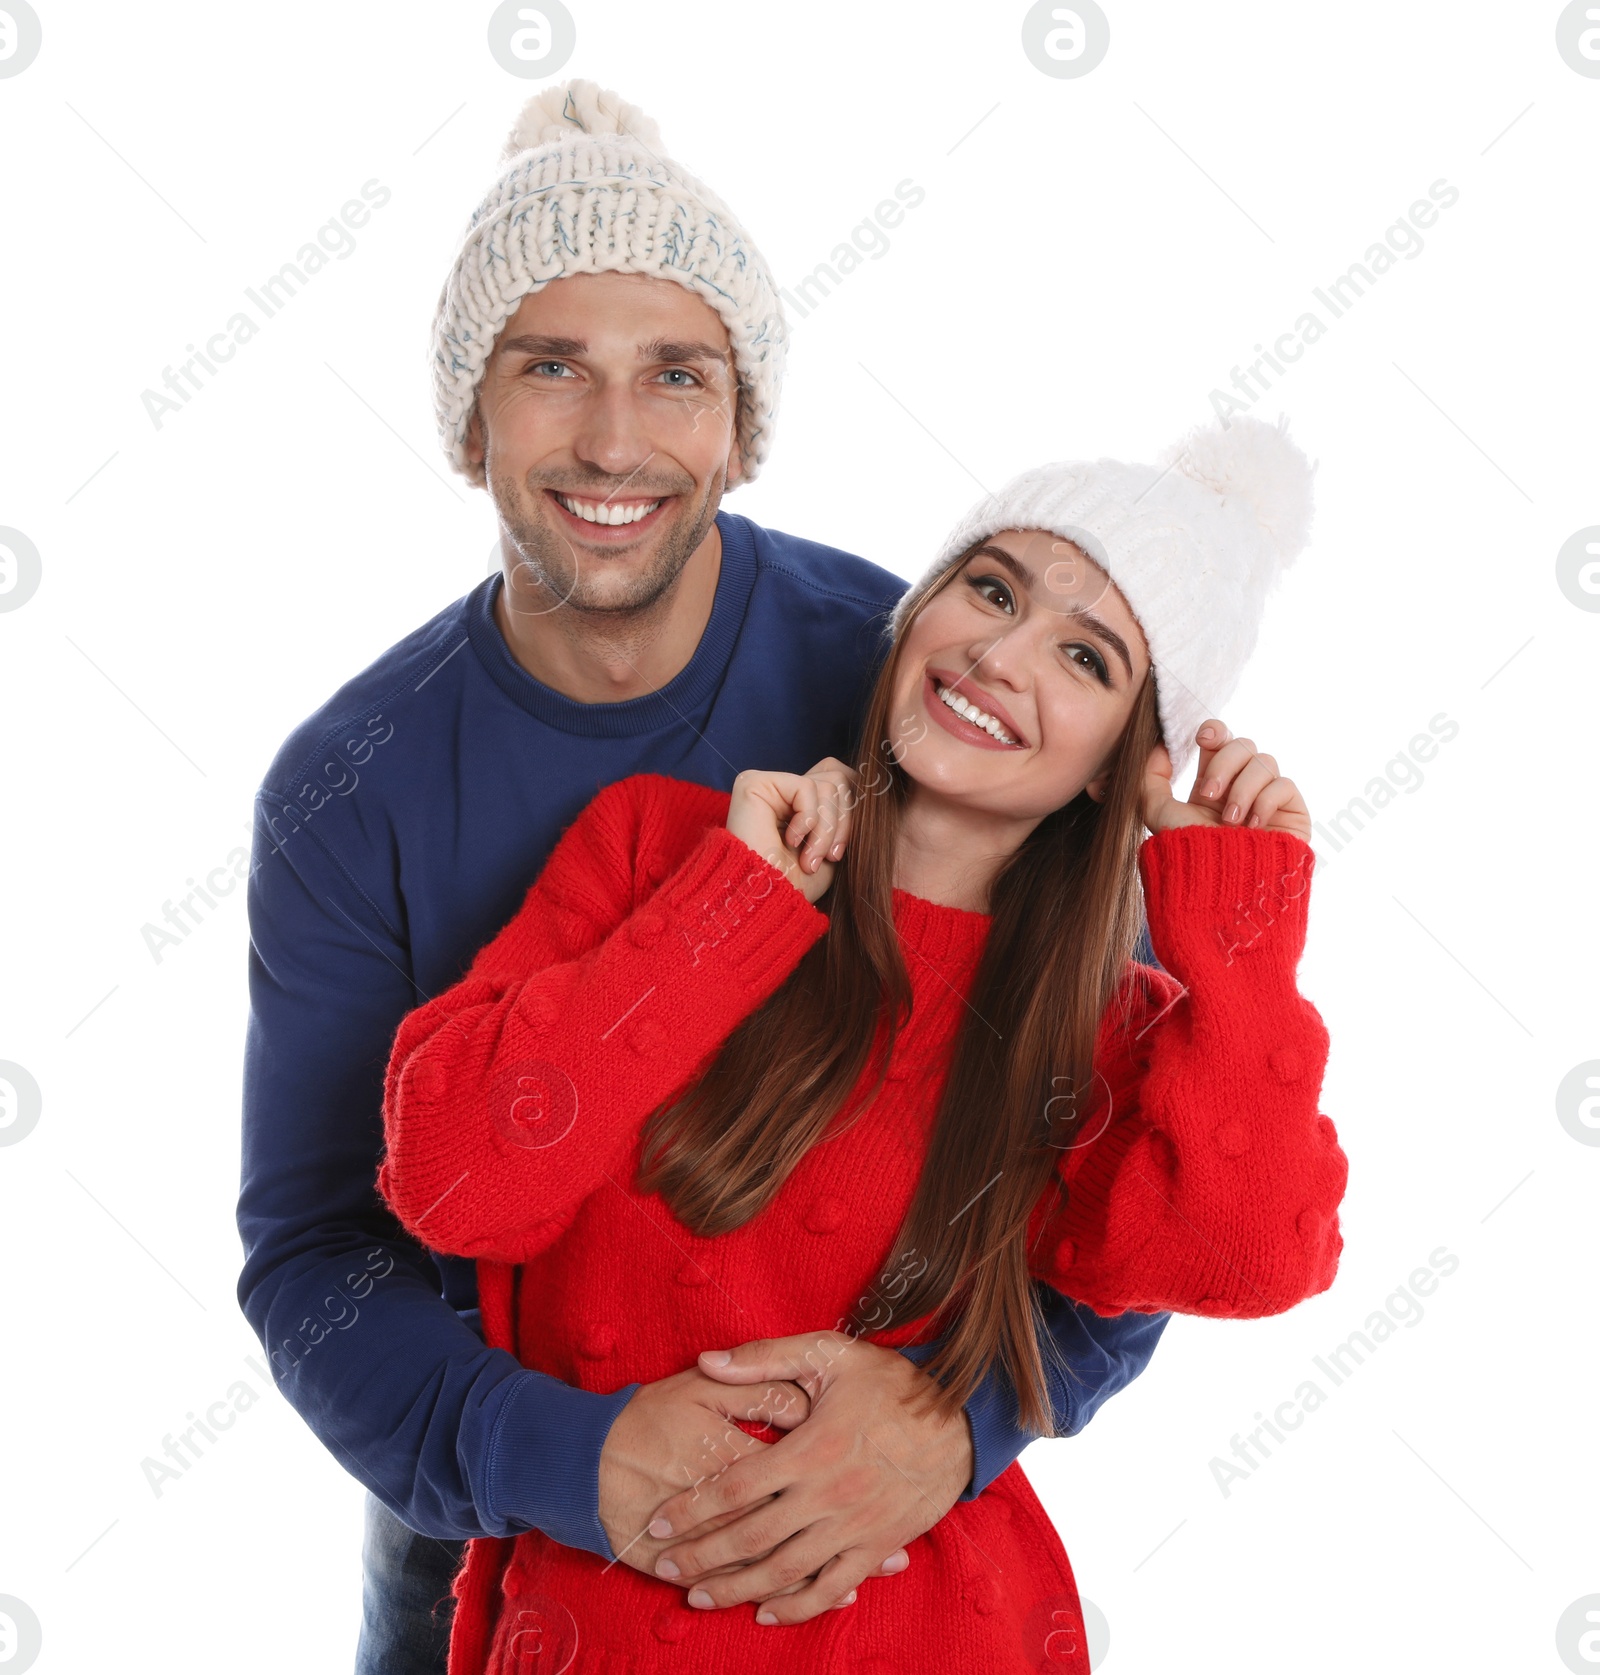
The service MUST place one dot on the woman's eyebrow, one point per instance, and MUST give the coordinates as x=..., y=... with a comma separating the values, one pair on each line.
x=1079, y=613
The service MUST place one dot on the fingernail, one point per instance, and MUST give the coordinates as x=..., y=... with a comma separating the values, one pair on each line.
x=1211, y=788
x=660, y=1528
x=1208, y=732
x=1231, y=813
x=700, y=1598
x=716, y=1357
x=665, y=1567
x=839, y=1604
x=895, y=1562
x=765, y=1618
x=1254, y=820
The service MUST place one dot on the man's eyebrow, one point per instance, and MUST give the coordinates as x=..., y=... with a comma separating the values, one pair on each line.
x=677, y=349
x=537, y=345
x=1079, y=613
x=658, y=349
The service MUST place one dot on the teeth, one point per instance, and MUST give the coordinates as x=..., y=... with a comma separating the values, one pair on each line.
x=970, y=712
x=592, y=511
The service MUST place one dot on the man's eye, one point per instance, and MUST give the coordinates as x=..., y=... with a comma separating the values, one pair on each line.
x=545, y=367
x=681, y=372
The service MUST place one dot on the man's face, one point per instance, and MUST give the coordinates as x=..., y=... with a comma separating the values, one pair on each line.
x=606, y=426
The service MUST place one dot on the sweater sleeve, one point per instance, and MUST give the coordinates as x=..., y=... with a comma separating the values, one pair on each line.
x=1205, y=1180
x=457, y=1439
x=512, y=1096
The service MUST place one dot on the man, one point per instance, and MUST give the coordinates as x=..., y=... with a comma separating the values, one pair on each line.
x=634, y=627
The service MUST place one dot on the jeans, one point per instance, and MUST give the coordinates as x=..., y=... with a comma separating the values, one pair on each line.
x=404, y=1576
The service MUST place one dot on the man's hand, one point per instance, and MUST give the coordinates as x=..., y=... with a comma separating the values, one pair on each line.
x=800, y=1523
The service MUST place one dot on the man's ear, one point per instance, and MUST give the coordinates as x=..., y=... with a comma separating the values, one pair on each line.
x=734, y=475
x=472, y=443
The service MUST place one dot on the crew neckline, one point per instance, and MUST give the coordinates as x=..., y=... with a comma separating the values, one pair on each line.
x=953, y=934
x=649, y=712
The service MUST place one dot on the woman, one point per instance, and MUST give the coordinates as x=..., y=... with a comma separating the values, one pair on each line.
x=674, y=1102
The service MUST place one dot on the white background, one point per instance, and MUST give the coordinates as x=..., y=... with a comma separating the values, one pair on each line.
x=1093, y=257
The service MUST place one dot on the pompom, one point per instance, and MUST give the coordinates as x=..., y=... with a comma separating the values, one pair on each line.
x=1254, y=461
x=555, y=114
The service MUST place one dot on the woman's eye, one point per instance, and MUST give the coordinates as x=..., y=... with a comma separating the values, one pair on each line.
x=994, y=590
x=1096, y=664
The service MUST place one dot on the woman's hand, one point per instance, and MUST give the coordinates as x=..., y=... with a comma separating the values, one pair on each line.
x=798, y=822
x=666, y=1433
x=832, y=1504
x=1233, y=786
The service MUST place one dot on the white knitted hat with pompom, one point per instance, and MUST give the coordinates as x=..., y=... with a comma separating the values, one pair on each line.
x=585, y=187
x=1195, y=544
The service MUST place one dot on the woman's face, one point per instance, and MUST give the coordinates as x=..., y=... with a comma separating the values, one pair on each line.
x=1033, y=635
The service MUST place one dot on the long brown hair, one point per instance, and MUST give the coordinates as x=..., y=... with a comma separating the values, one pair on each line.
x=1065, y=916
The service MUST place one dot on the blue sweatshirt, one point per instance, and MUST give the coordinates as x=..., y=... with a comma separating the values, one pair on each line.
x=397, y=829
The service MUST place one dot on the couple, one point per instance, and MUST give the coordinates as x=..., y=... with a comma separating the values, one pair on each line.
x=721, y=960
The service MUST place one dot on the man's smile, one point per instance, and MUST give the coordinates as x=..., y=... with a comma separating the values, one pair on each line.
x=607, y=519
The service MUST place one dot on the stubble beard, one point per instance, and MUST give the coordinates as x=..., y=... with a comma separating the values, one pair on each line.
x=551, y=567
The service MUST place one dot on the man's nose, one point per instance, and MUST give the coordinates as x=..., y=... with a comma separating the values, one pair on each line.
x=611, y=433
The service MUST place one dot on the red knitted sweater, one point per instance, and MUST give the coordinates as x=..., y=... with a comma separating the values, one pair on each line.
x=514, y=1109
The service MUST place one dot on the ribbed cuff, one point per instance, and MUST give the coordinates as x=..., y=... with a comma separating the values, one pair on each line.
x=997, y=1439
x=730, y=905
x=544, y=1459
x=1216, y=893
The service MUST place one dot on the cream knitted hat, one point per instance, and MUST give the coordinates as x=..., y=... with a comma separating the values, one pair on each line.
x=1195, y=546
x=584, y=188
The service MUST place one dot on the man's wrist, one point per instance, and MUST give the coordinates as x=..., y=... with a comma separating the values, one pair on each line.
x=921, y=1354
x=993, y=1421
x=543, y=1469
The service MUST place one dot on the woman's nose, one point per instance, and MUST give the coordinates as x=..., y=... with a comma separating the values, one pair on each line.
x=1001, y=657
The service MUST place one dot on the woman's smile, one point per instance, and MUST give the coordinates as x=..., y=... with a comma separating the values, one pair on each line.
x=969, y=712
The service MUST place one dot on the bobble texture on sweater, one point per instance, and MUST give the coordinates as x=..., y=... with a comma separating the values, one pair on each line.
x=514, y=1108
